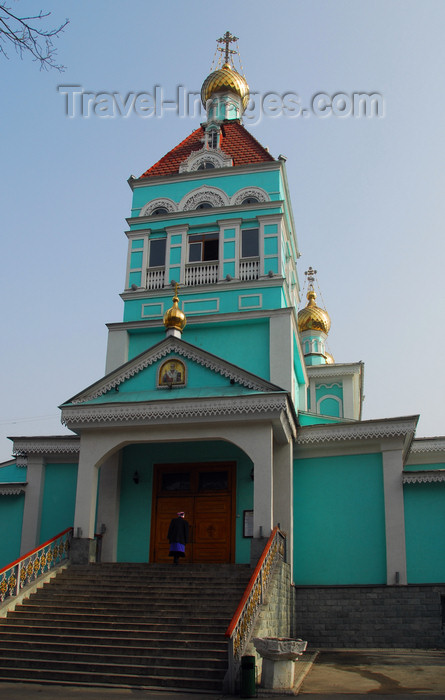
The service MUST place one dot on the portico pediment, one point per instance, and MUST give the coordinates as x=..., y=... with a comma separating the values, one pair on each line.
x=172, y=380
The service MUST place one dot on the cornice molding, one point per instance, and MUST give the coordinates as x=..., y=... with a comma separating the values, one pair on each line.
x=203, y=174
x=424, y=477
x=178, y=410
x=47, y=445
x=340, y=370
x=223, y=209
x=361, y=430
x=12, y=489
x=421, y=445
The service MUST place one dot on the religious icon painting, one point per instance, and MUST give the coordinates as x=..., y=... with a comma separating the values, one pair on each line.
x=171, y=373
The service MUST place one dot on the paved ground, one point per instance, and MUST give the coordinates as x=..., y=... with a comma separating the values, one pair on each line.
x=326, y=675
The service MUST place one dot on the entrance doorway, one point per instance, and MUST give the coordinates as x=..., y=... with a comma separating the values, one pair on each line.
x=206, y=493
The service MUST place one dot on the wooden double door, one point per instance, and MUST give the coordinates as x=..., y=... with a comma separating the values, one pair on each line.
x=206, y=493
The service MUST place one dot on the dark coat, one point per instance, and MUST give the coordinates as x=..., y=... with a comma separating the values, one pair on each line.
x=178, y=531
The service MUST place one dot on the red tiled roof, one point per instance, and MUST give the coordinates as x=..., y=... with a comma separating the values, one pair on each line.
x=236, y=142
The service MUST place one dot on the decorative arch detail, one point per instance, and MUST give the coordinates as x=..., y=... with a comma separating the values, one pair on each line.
x=164, y=202
x=331, y=398
x=215, y=196
x=216, y=157
x=257, y=192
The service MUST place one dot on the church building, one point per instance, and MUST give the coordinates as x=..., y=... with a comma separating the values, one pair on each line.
x=220, y=398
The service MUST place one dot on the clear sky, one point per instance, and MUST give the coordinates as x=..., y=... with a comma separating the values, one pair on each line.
x=368, y=193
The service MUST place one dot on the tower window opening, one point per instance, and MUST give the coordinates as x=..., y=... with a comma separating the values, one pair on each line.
x=203, y=247
x=204, y=205
x=212, y=139
x=157, y=252
x=207, y=165
x=250, y=243
x=158, y=211
x=250, y=200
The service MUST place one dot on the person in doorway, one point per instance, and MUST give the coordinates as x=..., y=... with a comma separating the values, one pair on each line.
x=178, y=536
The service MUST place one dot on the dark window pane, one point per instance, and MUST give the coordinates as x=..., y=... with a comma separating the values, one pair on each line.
x=206, y=166
x=249, y=200
x=176, y=482
x=195, y=252
x=159, y=211
x=250, y=245
x=157, y=253
x=210, y=249
x=204, y=205
x=213, y=481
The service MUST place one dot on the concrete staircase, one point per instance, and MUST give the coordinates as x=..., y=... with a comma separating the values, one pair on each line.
x=146, y=625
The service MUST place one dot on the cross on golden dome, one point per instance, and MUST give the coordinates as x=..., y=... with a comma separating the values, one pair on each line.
x=227, y=39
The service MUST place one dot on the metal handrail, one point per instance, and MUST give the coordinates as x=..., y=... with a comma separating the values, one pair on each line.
x=38, y=561
x=243, y=621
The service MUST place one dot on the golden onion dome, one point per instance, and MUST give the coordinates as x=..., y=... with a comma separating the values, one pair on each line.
x=175, y=318
x=329, y=358
x=225, y=79
x=312, y=317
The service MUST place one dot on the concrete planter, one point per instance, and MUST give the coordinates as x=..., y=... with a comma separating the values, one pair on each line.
x=279, y=655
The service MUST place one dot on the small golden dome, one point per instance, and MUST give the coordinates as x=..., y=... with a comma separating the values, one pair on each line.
x=312, y=317
x=225, y=79
x=329, y=359
x=174, y=317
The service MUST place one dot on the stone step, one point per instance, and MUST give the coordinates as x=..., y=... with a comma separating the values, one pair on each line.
x=117, y=620
x=193, y=640
x=86, y=678
x=86, y=607
x=217, y=650
x=113, y=660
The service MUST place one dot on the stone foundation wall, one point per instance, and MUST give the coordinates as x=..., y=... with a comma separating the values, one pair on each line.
x=370, y=616
x=276, y=615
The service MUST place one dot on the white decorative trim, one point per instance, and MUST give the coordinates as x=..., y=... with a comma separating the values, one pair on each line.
x=167, y=410
x=328, y=386
x=214, y=195
x=435, y=444
x=164, y=202
x=56, y=445
x=362, y=430
x=12, y=489
x=424, y=477
x=216, y=156
x=336, y=370
x=257, y=192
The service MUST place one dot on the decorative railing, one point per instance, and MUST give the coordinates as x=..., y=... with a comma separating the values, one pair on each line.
x=39, y=561
x=201, y=273
x=156, y=278
x=249, y=269
x=241, y=627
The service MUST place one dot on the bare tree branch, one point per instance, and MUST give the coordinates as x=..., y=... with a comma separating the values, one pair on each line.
x=27, y=35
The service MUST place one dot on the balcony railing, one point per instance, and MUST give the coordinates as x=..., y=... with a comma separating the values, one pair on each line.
x=249, y=269
x=201, y=273
x=156, y=278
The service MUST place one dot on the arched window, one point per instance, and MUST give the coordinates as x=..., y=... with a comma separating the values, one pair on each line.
x=158, y=211
x=207, y=165
x=250, y=200
x=204, y=205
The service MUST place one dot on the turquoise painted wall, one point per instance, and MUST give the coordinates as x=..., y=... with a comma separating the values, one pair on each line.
x=339, y=521
x=12, y=473
x=136, y=499
x=11, y=516
x=244, y=343
x=59, y=498
x=312, y=419
x=424, y=532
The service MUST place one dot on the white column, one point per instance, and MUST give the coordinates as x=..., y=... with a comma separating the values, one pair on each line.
x=86, y=495
x=261, y=452
x=33, y=504
x=283, y=493
x=394, y=516
x=108, y=506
